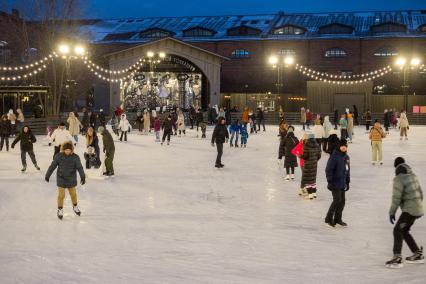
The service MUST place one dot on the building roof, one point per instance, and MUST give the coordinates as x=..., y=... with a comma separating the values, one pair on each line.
x=134, y=29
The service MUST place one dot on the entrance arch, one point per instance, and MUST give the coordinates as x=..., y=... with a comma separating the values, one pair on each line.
x=181, y=54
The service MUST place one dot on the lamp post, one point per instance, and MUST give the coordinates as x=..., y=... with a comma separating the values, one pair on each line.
x=279, y=63
x=406, y=65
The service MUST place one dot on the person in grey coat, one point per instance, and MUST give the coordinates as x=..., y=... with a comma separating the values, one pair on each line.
x=68, y=164
x=407, y=195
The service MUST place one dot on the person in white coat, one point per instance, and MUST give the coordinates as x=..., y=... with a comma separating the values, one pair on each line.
x=146, y=122
x=59, y=137
x=181, y=123
x=318, y=131
x=20, y=119
x=327, y=128
x=74, y=125
x=403, y=125
x=12, y=118
x=124, y=127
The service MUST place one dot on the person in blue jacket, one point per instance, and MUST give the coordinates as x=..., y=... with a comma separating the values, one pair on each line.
x=338, y=179
x=234, y=130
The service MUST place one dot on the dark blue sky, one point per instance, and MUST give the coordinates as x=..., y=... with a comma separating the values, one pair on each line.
x=148, y=8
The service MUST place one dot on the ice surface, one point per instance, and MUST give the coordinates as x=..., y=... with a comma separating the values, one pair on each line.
x=170, y=217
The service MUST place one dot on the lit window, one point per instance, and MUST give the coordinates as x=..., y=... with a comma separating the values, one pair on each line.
x=386, y=52
x=240, y=53
x=289, y=30
x=156, y=33
x=198, y=32
x=287, y=52
x=335, y=52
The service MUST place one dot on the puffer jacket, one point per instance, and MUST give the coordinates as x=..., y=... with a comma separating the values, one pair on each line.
x=407, y=193
x=5, y=128
x=338, y=171
x=124, y=124
x=290, y=142
x=403, y=121
x=27, y=140
x=327, y=127
x=68, y=166
x=220, y=133
x=377, y=133
x=311, y=155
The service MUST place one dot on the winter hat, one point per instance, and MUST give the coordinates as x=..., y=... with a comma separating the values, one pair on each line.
x=67, y=146
x=343, y=142
x=398, y=161
x=101, y=129
x=290, y=129
x=61, y=124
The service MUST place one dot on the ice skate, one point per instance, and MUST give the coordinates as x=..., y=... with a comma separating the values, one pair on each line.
x=314, y=194
x=37, y=167
x=406, y=138
x=302, y=192
x=395, y=262
x=287, y=177
x=342, y=224
x=24, y=169
x=292, y=176
x=231, y=145
x=236, y=145
x=76, y=210
x=416, y=258
x=309, y=196
x=330, y=224
x=373, y=163
x=381, y=163
x=60, y=213
x=168, y=143
x=400, y=138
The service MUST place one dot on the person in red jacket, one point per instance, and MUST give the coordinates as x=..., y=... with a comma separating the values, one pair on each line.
x=309, y=117
x=157, y=129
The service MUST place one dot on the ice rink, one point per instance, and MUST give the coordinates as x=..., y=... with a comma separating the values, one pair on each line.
x=168, y=216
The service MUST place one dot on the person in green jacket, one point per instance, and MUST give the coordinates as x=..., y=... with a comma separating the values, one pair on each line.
x=343, y=123
x=407, y=195
x=27, y=139
x=109, y=150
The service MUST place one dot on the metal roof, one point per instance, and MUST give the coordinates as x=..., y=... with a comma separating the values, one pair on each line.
x=104, y=30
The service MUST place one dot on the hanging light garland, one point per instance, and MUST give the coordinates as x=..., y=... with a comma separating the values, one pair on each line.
x=34, y=65
x=39, y=69
x=114, y=80
x=337, y=79
x=98, y=68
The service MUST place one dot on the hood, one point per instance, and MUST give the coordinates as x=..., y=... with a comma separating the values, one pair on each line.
x=123, y=116
x=377, y=125
x=326, y=119
x=10, y=111
x=403, y=169
x=403, y=116
x=29, y=129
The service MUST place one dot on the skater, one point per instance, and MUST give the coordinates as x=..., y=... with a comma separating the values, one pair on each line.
x=124, y=127
x=59, y=137
x=68, y=164
x=243, y=136
x=338, y=179
x=355, y=114
x=309, y=117
x=102, y=118
x=139, y=121
x=282, y=133
x=245, y=117
x=368, y=120
x=85, y=121
x=290, y=160
x=5, y=131
x=350, y=128
x=252, y=120
x=73, y=126
x=386, y=120
x=221, y=113
x=192, y=116
x=114, y=125
x=336, y=118
x=181, y=123
x=157, y=128
x=220, y=136
x=318, y=131
x=260, y=119
x=109, y=150
x=234, y=131
x=91, y=158
x=92, y=141
x=328, y=127
x=332, y=142
x=146, y=121
x=376, y=136
x=20, y=119
x=303, y=117
x=407, y=195
x=27, y=140
x=174, y=122
x=403, y=125
x=343, y=123
x=311, y=155
x=12, y=118
x=167, y=129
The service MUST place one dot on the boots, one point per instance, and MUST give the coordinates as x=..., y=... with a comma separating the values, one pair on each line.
x=417, y=257
x=395, y=262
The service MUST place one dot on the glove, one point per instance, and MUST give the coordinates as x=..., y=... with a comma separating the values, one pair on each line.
x=347, y=187
x=330, y=187
x=12, y=147
x=50, y=144
x=212, y=144
x=104, y=150
x=83, y=181
x=392, y=219
x=46, y=179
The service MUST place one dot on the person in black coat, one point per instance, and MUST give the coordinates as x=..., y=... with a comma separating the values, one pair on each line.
x=332, y=143
x=386, y=120
x=356, y=114
x=338, y=179
x=192, y=116
x=102, y=118
x=220, y=136
x=27, y=139
x=260, y=119
x=167, y=127
x=85, y=121
x=311, y=155
x=336, y=118
x=5, y=131
x=290, y=161
x=93, y=120
x=68, y=164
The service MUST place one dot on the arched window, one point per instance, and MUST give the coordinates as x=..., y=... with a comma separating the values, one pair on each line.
x=389, y=28
x=5, y=53
x=243, y=31
x=240, y=53
x=287, y=52
x=386, y=52
x=289, y=30
x=156, y=33
x=335, y=53
x=335, y=28
x=198, y=32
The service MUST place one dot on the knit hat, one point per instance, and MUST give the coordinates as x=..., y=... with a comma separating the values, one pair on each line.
x=290, y=129
x=61, y=124
x=398, y=161
x=101, y=129
x=67, y=146
x=343, y=142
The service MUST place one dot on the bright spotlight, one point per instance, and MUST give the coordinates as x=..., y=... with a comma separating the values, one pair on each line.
x=273, y=60
x=401, y=61
x=150, y=54
x=162, y=55
x=79, y=50
x=415, y=61
x=64, y=49
x=289, y=60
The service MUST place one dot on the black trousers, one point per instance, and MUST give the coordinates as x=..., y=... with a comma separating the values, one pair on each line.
x=287, y=169
x=123, y=133
x=324, y=144
x=219, y=147
x=344, y=134
x=4, y=138
x=367, y=125
x=334, y=213
x=56, y=150
x=166, y=134
x=261, y=122
x=401, y=232
x=24, y=157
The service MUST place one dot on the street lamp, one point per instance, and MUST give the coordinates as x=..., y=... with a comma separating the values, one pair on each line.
x=402, y=63
x=278, y=63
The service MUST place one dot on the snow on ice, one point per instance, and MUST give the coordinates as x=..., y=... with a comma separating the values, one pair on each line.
x=168, y=216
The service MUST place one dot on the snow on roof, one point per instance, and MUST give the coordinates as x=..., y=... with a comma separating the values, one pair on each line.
x=104, y=30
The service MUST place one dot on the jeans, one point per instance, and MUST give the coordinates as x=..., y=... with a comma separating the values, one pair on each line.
x=219, y=147
x=401, y=232
x=24, y=157
x=157, y=135
x=234, y=133
x=334, y=214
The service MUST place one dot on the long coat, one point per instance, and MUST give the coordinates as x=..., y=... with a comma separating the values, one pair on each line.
x=311, y=155
x=68, y=166
x=73, y=125
x=27, y=140
x=146, y=122
x=290, y=142
x=5, y=128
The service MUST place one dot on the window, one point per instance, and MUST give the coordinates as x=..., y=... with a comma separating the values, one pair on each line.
x=119, y=36
x=385, y=52
x=240, y=53
x=156, y=33
x=198, y=32
x=422, y=28
x=243, y=31
x=29, y=55
x=335, y=52
x=289, y=30
x=335, y=29
x=287, y=52
x=388, y=28
x=5, y=53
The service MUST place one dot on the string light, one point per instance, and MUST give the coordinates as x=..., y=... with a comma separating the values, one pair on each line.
x=39, y=69
x=92, y=65
x=31, y=66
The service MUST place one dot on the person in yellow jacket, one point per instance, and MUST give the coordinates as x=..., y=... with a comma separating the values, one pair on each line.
x=376, y=136
x=245, y=118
